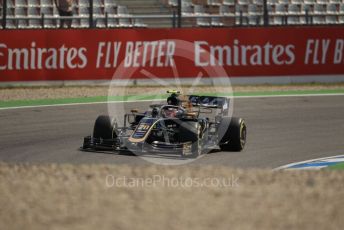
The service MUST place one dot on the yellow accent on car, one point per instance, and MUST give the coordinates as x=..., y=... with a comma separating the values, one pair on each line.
x=136, y=140
x=173, y=91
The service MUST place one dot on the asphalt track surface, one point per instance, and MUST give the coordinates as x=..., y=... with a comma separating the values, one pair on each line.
x=281, y=130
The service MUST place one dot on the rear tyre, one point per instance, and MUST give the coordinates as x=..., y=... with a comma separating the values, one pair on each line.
x=104, y=128
x=234, y=137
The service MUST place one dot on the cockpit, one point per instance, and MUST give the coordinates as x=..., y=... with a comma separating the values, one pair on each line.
x=171, y=111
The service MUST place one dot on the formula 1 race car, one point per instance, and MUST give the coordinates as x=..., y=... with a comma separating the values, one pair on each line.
x=187, y=127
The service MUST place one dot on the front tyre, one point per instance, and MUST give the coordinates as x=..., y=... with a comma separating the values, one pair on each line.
x=104, y=128
x=234, y=138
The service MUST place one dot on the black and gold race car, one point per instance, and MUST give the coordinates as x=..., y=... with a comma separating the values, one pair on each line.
x=187, y=127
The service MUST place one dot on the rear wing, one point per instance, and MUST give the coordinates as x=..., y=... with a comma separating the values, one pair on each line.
x=210, y=102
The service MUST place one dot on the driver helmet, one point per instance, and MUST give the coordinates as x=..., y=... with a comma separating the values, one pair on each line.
x=173, y=100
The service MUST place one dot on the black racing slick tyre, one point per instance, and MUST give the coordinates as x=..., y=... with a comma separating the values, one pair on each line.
x=104, y=128
x=233, y=134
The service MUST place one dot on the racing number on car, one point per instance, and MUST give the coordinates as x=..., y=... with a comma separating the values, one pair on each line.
x=143, y=127
x=141, y=131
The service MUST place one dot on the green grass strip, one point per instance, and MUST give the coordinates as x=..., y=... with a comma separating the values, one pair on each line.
x=40, y=102
x=339, y=166
x=290, y=92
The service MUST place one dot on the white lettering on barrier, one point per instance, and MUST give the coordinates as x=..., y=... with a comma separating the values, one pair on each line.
x=20, y=55
x=267, y=48
x=33, y=56
x=40, y=53
x=82, y=56
x=256, y=57
x=338, y=52
x=316, y=51
x=51, y=60
x=141, y=54
x=242, y=55
x=152, y=56
x=325, y=46
x=2, y=67
x=290, y=53
x=308, y=50
x=137, y=54
x=277, y=53
x=145, y=51
x=236, y=52
x=220, y=52
x=198, y=52
x=42, y=58
x=128, y=54
x=161, y=54
x=100, y=54
x=111, y=54
x=62, y=51
x=171, y=49
x=71, y=55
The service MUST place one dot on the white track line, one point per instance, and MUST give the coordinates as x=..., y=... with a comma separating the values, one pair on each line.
x=307, y=161
x=292, y=95
x=75, y=104
x=235, y=97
